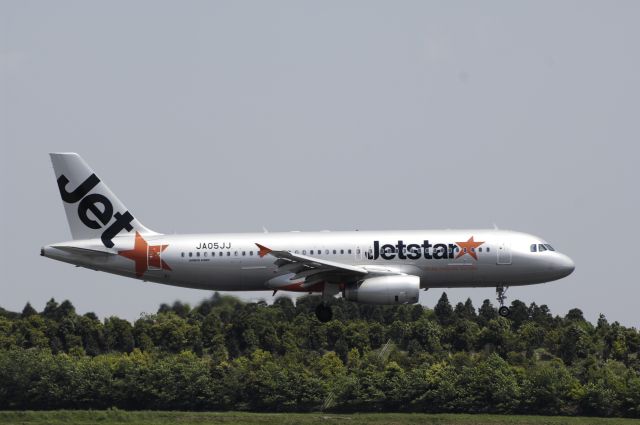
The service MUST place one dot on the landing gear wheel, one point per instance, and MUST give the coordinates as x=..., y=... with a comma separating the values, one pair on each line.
x=324, y=313
x=503, y=310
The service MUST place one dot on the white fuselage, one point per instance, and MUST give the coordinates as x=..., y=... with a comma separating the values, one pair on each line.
x=231, y=262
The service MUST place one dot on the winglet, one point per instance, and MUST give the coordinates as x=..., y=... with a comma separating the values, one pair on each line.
x=263, y=250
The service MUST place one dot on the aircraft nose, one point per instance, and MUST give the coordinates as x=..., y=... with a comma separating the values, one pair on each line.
x=564, y=265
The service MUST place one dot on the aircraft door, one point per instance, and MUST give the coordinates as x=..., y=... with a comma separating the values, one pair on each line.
x=358, y=253
x=154, y=257
x=504, y=254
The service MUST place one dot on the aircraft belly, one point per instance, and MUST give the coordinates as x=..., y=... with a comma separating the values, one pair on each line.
x=226, y=277
x=446, y=274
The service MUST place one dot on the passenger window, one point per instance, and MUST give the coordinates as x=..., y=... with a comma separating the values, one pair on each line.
x=326, y=251
x=296, y=251
x=342, y=251
x=304, y=252
x=205, y=253
x=235, y=253
x=479, y=249
x=191, y=254
x=541, y=247
x=349, y=251
x=549, y=247
x=488, y=249
x=250, y=252
x=311, y=252
x=534, y=247
x=182, y=254
x=334, y=252
x=228, y=253
x=198, y=254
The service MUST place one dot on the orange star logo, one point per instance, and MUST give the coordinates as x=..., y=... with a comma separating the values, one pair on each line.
x=145, y=255
x=468, y=247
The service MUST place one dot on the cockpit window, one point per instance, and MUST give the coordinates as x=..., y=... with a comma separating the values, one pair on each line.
x=541, y=247
x=534, y=247
x=549, y=247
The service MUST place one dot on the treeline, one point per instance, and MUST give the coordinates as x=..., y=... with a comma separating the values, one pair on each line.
x=228, y=355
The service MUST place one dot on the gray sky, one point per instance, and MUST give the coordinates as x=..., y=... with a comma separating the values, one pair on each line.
x=227, y=116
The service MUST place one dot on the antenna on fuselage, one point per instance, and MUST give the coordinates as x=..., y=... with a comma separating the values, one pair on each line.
x=495, y=226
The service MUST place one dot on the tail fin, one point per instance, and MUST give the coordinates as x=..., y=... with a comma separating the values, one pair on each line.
x=93, y=211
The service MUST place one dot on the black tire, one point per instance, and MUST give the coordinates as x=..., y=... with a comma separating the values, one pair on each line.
x=504, y=311
x=324, y=313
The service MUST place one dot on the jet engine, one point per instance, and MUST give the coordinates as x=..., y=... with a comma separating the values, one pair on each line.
x=395, y=289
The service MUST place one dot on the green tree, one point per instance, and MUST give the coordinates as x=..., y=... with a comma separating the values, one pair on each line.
x=173, y=333
x=519, y=313
x=33, y=330
x=118, y=335
x=437, y=390
x=548, y=388
x=28, y=311
x=466, y=311
x=491, y=387
x=443, y=310
x=7, y=337
x=486, y=313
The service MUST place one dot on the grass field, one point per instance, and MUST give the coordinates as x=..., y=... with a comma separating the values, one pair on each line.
x=231, y=418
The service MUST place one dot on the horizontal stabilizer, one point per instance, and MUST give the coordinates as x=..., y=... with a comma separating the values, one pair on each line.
x=83, y=251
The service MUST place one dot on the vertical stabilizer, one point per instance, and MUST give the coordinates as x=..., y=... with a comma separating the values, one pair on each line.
x=93, y=211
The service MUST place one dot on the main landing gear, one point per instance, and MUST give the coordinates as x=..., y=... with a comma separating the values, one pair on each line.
x=324, y=312
x=503, y=310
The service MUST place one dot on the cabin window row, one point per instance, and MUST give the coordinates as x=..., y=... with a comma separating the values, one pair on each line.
x=336, y=251
x=220, y=253
x=244, y=253
x=326, y=251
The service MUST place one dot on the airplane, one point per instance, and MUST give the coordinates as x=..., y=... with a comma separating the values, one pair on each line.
x=374, y=267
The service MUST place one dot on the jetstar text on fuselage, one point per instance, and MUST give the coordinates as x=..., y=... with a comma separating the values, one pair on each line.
x=414, y=251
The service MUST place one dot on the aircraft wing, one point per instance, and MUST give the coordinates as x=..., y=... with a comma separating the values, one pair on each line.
x=312, y=269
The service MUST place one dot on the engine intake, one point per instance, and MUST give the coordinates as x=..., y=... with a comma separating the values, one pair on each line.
x=397, y=289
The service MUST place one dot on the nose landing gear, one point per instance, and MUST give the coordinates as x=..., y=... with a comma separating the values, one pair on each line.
x=503, y=310
x=324, y=313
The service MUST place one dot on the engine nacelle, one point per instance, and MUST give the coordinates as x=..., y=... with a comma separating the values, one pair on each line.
x=395, y=289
